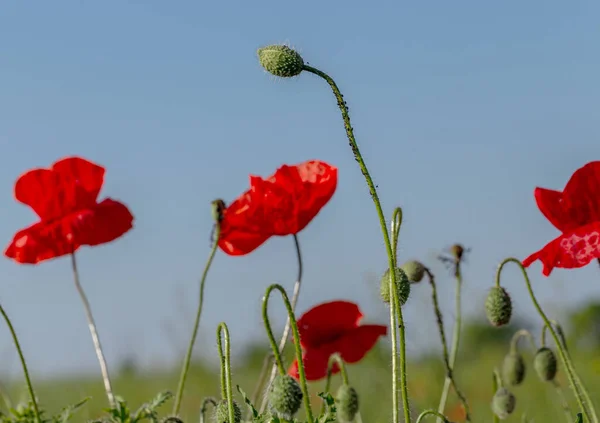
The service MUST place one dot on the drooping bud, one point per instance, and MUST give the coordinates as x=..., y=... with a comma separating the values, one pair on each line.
x=402, y=283
x=222, y=412
x=545, y=364
x=172, y=419
x=503, y=403
x=498, y=306
x=280, y=60
x=285, y=396
x=513, y=369
x=414, y=271
x=347, y=403
x=457, y=251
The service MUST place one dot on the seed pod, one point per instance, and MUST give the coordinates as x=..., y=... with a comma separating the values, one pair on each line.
x=414, y=271
x=498, y=306
x=347, y=403
x=545, y=364
x=503, y=403
x=402, y=283
x=285, y=396
x=513, y=369
x=222, y=412
x=280, y=60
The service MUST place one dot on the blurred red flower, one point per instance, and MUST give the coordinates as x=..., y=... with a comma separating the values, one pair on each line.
x=282, y=204
x=65, y=199
x=576, y=213
x=330, y=328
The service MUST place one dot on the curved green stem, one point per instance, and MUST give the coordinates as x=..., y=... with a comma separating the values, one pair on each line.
x=36, y=410
x=188, y=355
x=296, y=334
x=571, y=374
x=559, y=332
x=432, y=413
x=334, y=359
x=205, y=402
x=496, y=384
x=226, y=391
x=261, y=381
x=521, y=333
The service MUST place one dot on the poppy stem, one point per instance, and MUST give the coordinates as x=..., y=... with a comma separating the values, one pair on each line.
x=382, y=221
x=261, y=381
x=188, y=355
x=93, y=332
x=563, y=400
x=286, y=329
x=445, y=355
x=226, y=391
x=36, y=410
x=434, y=413
x=203, y=409
x=517, y=336
x=296, y=334
x=496, y=384
x=560, y=333
x=574, y=380
x=335, y=358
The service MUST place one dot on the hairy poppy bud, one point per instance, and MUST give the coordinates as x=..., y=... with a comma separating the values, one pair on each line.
x=280, y=60
x=414, y=271
x=222, y=412
x=402, y=283
x=545, y=364
x=172, y=419
x=285, y=396
x=503, y=403
x=498, y=306
x=513, y=369
x=347, y=403
x=457, y=251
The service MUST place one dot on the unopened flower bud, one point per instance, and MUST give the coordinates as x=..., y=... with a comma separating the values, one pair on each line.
x=414, y=271
x=402, y=283
x=280, y=60
x=285, y=396
x=545, y=364
x=503, y=403
x=513, y=369
x=347, y=403
x=498, y=306
x=172, y=419
x=222, y=412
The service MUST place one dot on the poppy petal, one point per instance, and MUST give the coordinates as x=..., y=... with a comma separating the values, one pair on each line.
x=326, y=322
x=582, y=194
x=315, y=365
x=83, y=179
x=355, y=344
x=107, y=221
x=571, y=250
x=551, y=205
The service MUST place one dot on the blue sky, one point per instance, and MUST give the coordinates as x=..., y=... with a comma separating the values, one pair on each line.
x=460, y=108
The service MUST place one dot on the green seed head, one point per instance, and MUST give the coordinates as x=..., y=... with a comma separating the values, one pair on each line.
x=280, y=60
x=414, y=271
x=513, y=369
x=222, y=412
x=503, y=403
x=285, y=396
x=545, y=364
x=402, y=283
x=347, y=403
x=498, y=306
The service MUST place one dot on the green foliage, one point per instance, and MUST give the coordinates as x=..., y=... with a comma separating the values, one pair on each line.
x=25, y=413
x=148, y=411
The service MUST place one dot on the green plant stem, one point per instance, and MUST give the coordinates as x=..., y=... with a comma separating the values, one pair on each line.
x=431, y=413
x=36, y=410
x=226, y=391
x=261, y=381
x=205, y=402
x=188, y=355
x=571, y=373
x=563, y=401
x=496, y=384
x=93, y=332
x=296, y=334
x=286, y=329
x=559, y=332
x=517, y=336
x=334, y=359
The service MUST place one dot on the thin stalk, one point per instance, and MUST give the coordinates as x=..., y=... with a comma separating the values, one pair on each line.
x=203, y=409
x=426, y=413
x=334, y=359
x=521, y=333
x=396, y=223
x=93, y=332
x=563, y=401
x=36, y=410
x=261, y=381
x=496, y=384
x=225, y=358
x=188, y=356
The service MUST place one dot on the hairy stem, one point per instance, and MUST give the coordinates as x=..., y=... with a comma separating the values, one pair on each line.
x=563, y=401
x=226, y=391
x=522, y=333
x=334, y=359
x=426, y=413
x=203, y=409
x=496, y=384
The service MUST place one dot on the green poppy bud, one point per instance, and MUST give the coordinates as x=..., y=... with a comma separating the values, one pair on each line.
x=280, y=60
x=347, y=403
x=285, y=396
x=222, y=412
x=545, y=364
x=172, y=419
x=414, y=270
x=503, y=403
x=498, y=306
x=513, y=369
x=402, y=283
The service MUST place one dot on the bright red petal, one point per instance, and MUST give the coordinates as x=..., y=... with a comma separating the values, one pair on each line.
x=315, y=365
x=571, y=250
x=108, y=221
x=551, y=205
x=582, y=195
x=354, y=345
x=326, y=322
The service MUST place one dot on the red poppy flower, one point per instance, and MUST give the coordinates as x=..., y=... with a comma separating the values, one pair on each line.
x=65, y=199
x=333, y=328
x=576, y=213
x=283, y=204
